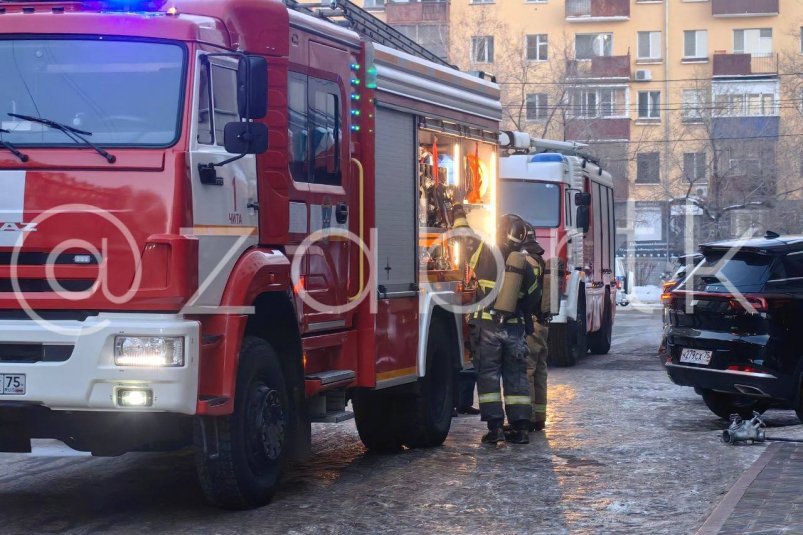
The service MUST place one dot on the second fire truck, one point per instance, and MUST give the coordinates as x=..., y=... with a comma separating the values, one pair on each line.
x=568, y=198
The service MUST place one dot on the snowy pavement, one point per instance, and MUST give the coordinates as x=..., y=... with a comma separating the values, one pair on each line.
x=625, y=451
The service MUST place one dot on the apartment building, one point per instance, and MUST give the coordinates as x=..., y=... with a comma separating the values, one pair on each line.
x=683, y=99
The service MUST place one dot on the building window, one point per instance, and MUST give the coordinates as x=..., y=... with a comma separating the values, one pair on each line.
x=695, y=44
x=374, y=4
x=537, y=106
x=537, y=47
x=475, y=1
x=757, y=42
x=597, y=103
x=801, y=39
x=434, y=37
x=482, y=49
x=734, y=104
x=649, y=105
x=694, y=167
x=649, y=45
x=591, y=45
x=693, y=101
x=647, y=168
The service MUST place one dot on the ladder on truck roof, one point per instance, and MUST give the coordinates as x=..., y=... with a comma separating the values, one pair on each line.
x=347, y=14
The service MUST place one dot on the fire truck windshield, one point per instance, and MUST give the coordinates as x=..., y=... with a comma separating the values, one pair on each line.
x=127, y=93
x=536, y=202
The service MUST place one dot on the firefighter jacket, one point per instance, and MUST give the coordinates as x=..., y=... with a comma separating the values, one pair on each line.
x=483, y=263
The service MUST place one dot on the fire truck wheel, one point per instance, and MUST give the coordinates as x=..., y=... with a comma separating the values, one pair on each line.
x=568, y=341
x=599, y=342
x=427, y=413
x=375, y=416
x=251, y=442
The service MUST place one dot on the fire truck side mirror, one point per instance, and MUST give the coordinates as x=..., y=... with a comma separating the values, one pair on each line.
x=583, y=220
x=582, y=199
x=245, y=138
x=252, y=87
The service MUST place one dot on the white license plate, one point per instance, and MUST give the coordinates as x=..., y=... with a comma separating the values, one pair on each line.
x=695, y=356
x=13, y=384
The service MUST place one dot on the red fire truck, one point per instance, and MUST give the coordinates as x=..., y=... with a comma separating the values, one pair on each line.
x=222, y=220
x=565, y=194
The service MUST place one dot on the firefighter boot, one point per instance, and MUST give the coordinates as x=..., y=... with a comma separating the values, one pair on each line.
x=518, y=434
x=495, y=433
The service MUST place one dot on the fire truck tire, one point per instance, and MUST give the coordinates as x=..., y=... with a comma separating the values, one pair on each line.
x=427, y=413
x=375, y=416
x=251, y=453
x=599, y=342
x=568, y=341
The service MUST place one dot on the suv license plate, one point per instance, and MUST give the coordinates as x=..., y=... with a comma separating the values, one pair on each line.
x=695, y=356
x=13, y=384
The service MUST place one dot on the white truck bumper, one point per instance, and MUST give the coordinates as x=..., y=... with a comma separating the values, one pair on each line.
x=89, y=380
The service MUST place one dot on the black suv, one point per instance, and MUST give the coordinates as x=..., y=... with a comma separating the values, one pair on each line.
x=736, y=326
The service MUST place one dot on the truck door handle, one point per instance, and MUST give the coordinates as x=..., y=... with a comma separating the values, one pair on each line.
x=342, y=213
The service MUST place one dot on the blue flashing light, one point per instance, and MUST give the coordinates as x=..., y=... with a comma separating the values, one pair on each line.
x=355, y=96
x=547, y=157
x=355, y=128
x=355, y=66
x=355, y=81
x=355, y=113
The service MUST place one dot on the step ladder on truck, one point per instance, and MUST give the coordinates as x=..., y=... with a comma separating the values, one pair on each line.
x=223, y=265
x=568, y=197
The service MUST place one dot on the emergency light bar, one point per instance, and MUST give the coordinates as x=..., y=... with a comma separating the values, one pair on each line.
x=33, y=6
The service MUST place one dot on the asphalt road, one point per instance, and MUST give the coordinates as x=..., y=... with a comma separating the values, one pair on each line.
x=625, y=451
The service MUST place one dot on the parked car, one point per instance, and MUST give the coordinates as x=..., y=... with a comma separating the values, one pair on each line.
x=735, y=329
x=683, y=265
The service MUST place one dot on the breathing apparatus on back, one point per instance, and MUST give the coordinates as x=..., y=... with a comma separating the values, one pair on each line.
x=511, y=234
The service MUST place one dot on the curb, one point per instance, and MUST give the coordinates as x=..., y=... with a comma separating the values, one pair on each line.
x=724, y=508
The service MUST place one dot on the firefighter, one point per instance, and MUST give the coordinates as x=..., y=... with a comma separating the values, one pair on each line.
x=535, y=327
x=497, y=331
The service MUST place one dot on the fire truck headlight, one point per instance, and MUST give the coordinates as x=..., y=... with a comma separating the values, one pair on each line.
x=149, y=351
x=134, y=397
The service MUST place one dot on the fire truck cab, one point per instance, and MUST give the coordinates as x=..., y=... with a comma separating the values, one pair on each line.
x=224, y=220
x=568, y=198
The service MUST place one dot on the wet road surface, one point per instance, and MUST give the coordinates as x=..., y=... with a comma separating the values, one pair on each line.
x=625, y=451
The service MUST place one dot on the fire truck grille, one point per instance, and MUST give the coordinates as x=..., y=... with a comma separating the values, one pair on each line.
x=42, y=285
x=48, y=315
x=27, y=353
x=37, y=258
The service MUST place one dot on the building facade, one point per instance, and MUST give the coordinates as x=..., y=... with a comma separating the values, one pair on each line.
x=694, y=105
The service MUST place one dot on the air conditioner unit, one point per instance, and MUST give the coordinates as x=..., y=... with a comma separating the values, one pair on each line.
x=644, y=75
x=701, y=191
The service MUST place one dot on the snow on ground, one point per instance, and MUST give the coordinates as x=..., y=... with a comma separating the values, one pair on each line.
x=645, y=294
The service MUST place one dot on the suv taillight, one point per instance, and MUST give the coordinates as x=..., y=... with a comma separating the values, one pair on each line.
x=748, y=303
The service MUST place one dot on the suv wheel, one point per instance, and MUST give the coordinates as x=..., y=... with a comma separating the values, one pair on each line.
x=723, y=405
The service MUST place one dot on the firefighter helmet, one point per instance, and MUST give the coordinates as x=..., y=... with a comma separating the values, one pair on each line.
x=511, y=232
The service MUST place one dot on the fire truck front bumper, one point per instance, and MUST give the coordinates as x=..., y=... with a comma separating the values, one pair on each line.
x=105, y=362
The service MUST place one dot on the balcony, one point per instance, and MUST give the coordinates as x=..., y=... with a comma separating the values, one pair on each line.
x=744, y=8
x=597, y=129
x=598, y=68
x=763, y=127
x=414, y=12
x=745, y=64
x=596, y=10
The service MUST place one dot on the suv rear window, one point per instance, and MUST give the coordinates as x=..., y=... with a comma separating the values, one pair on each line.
x=746, y=272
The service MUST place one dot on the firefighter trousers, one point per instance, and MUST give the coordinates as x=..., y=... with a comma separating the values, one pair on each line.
x=501, y=352
x=537, y=371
